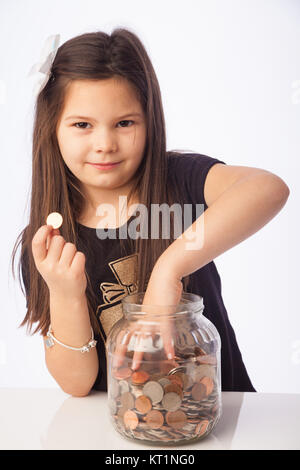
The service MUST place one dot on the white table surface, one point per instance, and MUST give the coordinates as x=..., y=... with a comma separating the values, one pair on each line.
x=51, y=419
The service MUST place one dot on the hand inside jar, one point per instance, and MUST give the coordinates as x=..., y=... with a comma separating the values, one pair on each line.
x=162, y=294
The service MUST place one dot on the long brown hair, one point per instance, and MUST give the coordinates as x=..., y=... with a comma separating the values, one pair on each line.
x=54, y=188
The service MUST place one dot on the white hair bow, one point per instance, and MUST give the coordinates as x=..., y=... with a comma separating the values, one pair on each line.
x=45, y=63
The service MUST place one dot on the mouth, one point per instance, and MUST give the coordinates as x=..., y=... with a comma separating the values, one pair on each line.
x=104, y=166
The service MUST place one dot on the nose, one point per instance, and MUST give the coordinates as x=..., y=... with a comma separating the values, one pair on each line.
x=104, y=141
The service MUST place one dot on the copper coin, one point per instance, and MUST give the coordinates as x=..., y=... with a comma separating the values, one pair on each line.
x=198, y=391
x=130, y=419
x=154, y=391
x=154, y=419
x=176, y=419
x=201, y=427
x=171, y=401
x=204, y=370
x=184, y=379
x=173, y=388
x=209, y=384
x=139, y=377
x=122, y=373
x=176, y=379
x=127, y=400
x=143, y=404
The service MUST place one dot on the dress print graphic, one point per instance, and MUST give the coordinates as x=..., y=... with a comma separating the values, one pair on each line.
x=125, y=272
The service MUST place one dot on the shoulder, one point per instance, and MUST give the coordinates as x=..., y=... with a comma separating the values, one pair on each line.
x=190, y=171
x=191, y=165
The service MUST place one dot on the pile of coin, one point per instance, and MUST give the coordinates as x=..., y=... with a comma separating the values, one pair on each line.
x=166, y=401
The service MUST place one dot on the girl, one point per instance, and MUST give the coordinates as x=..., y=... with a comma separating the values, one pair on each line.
x=101, y=105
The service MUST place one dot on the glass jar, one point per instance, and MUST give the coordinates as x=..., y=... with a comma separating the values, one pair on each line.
x=164, y=401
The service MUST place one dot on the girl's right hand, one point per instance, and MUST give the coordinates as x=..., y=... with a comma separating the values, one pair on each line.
x=60, y=264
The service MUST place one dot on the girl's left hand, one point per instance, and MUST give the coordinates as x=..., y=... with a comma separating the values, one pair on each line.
x=163, y=290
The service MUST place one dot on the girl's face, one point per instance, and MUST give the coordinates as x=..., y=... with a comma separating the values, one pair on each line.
x=102, y=122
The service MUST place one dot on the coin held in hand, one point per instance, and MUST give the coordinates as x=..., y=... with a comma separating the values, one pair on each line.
x=55, y=219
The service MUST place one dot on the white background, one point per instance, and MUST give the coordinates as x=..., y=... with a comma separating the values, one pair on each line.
x=229, y=73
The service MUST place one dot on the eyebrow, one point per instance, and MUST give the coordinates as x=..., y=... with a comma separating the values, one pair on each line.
x=92, y=119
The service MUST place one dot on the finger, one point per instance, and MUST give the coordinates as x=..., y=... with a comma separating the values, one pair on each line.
x=55, y=231
x=68, y=254
x=56, y=245
x=78, y=262
x=142, y=344
x=121, y=347
x=167, y=335
x=138, y=355
x=38, y=244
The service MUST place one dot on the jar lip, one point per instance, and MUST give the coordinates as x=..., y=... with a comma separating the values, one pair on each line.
x=188, y=300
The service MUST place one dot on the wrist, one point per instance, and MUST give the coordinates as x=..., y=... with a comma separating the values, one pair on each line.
x=70, y=319
x=61, y=298
x=165, y=269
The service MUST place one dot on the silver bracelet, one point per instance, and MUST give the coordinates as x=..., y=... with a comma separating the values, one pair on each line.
x=85, y=348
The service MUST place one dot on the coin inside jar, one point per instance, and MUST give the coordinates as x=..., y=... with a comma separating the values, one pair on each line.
x=175, y=379
x=171, y=401
x=173, y=388
x=204, y=370
x=154, y=419
x=122, y=373
x=176, y=419
x=154, y=391
x=55, y=219
x=143, y=404
x=198, y=391
x=209, y=384
x=127, y=400
x=164, y=381
x=139, y=377
x=130, y=419
x=124, y=386
x=202, y=427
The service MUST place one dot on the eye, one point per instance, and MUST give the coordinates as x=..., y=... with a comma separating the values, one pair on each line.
x=80, y=126
x=126, y=121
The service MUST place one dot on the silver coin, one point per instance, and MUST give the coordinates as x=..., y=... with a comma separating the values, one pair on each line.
x=154, y=391
x=164, y=381
x=171, y=401
x=124, y=386
x=55, y=219
x=127, y=400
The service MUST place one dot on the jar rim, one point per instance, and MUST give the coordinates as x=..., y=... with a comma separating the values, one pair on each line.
x=188, y=300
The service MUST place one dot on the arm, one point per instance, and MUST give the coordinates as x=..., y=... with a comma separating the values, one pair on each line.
x=63, y=269
x=240, y=201
x=75, y=372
